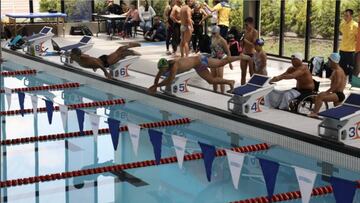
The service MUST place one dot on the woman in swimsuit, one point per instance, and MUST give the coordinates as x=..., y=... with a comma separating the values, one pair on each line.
x=219, y=50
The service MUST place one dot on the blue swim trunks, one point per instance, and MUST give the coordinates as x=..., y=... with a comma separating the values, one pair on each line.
x=204, y=64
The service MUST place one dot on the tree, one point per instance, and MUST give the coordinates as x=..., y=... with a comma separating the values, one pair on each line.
x=270, y=17
x=46, y=5
x=236, y=14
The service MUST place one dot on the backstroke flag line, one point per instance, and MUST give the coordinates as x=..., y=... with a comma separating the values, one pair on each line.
x=306, y=179
x=235, y=160
x=134, y=132
x=179, y=145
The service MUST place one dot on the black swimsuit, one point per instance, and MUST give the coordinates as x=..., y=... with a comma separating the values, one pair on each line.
x=104, y=60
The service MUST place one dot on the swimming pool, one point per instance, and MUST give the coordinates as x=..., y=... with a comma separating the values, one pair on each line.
x=161, y=183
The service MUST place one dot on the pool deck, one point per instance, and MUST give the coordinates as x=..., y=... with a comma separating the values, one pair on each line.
x=143, y=70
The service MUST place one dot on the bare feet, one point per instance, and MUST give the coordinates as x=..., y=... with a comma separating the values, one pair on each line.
x=313, y=115
x=134, y=44
x=231, y=84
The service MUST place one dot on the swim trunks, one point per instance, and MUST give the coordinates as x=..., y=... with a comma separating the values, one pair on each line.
x=104, y=60
x=183, y=28
x=204, y=64
x=340, y=95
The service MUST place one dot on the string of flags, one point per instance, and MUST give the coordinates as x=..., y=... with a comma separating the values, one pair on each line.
x=344, y=190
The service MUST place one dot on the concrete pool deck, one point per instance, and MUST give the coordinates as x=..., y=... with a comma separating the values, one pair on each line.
x=143, y=70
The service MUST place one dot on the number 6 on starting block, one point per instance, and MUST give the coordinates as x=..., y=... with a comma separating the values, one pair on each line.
x=120, y=69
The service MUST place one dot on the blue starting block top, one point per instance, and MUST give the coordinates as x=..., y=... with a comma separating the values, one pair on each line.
x=340, y=112
x=353, y=99
x=242, y=90
x=258, y=80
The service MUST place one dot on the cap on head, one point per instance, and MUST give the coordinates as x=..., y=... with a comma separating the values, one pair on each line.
x=76, y=51
x=215, y=29
x=163, y=63
x=260, y=42
x=335, y=57
x=297, y=56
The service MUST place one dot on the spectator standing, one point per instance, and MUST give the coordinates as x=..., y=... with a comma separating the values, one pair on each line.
x=219, y=50
x=175, y=17
x=260, y=58
x=348, y=29
x=223, y=9
x=198, y=17
x=168, y=23
x=357, y=49
x=146, y=14
x=249, y=40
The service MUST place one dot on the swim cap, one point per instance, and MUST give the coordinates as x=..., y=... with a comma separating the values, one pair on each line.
x=215, y=29
x=260, y=42
x=335, y=57
x=163, y=63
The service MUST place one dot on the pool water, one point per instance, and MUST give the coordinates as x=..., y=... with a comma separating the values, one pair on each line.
x=162, y=183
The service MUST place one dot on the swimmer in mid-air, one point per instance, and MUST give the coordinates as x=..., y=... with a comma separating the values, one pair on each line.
x=103, y=61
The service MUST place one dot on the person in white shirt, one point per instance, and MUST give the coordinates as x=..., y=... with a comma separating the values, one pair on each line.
x=146, y=13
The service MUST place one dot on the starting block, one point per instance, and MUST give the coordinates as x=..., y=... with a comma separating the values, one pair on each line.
x=343, y=122
x=180, y=83
x=120, y=69
x=34, y=44
x=247, y=97
x=84, y=45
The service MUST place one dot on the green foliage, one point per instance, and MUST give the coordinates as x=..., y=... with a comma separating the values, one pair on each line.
x=46, y=5
x=270, y=17
x=236, y=14
x=159, y=6
x=100, y=5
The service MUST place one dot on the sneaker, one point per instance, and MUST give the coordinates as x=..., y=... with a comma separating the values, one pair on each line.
x=168, y=52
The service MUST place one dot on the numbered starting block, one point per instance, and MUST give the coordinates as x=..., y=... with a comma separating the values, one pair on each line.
x=343, y=122
x=180, y=83
x=34, y=44
x=247, y=97
x=120, y=69
x=84, y=45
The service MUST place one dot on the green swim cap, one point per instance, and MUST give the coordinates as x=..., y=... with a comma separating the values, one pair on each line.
x=163, y=63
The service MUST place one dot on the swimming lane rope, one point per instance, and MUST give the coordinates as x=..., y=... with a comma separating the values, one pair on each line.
x=71, y=106
x=102, y=131
x=17, y=72
x=140, y=164
x=42, y=88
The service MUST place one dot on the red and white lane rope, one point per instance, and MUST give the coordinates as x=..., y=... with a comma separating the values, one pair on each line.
x=18, y=72
x=71, y=106
x=140, y=164
x=102, y=131
x=287, y=196
x=43, y=88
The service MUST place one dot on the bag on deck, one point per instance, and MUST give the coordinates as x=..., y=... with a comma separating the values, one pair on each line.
x=80, y=30
x=16, y=43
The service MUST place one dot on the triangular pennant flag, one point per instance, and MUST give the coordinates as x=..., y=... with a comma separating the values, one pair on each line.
x=208, y=156
x=8, y=93
x=80, y=116
x=49, y=109
x=306, y=179
x=270, y=170
x=34, y=102
x=21, y=96
x=134, y=132
x=114, y=126
x=344, y=190
x=235, y=160
x=64, y=115
x=155, y=138
x=94, y=122
x=179, y=145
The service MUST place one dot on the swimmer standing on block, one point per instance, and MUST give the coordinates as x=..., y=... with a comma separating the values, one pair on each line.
x=200, y=63
x=104, y=61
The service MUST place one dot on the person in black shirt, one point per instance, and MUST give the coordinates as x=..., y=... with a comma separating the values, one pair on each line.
x=157, y=32
x=198, y=17
x=113, y=8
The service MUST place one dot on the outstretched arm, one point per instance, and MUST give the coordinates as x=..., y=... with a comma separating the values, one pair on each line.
x=165, y=82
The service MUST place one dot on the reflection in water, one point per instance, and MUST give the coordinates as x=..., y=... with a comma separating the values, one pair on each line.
x=120, y=175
